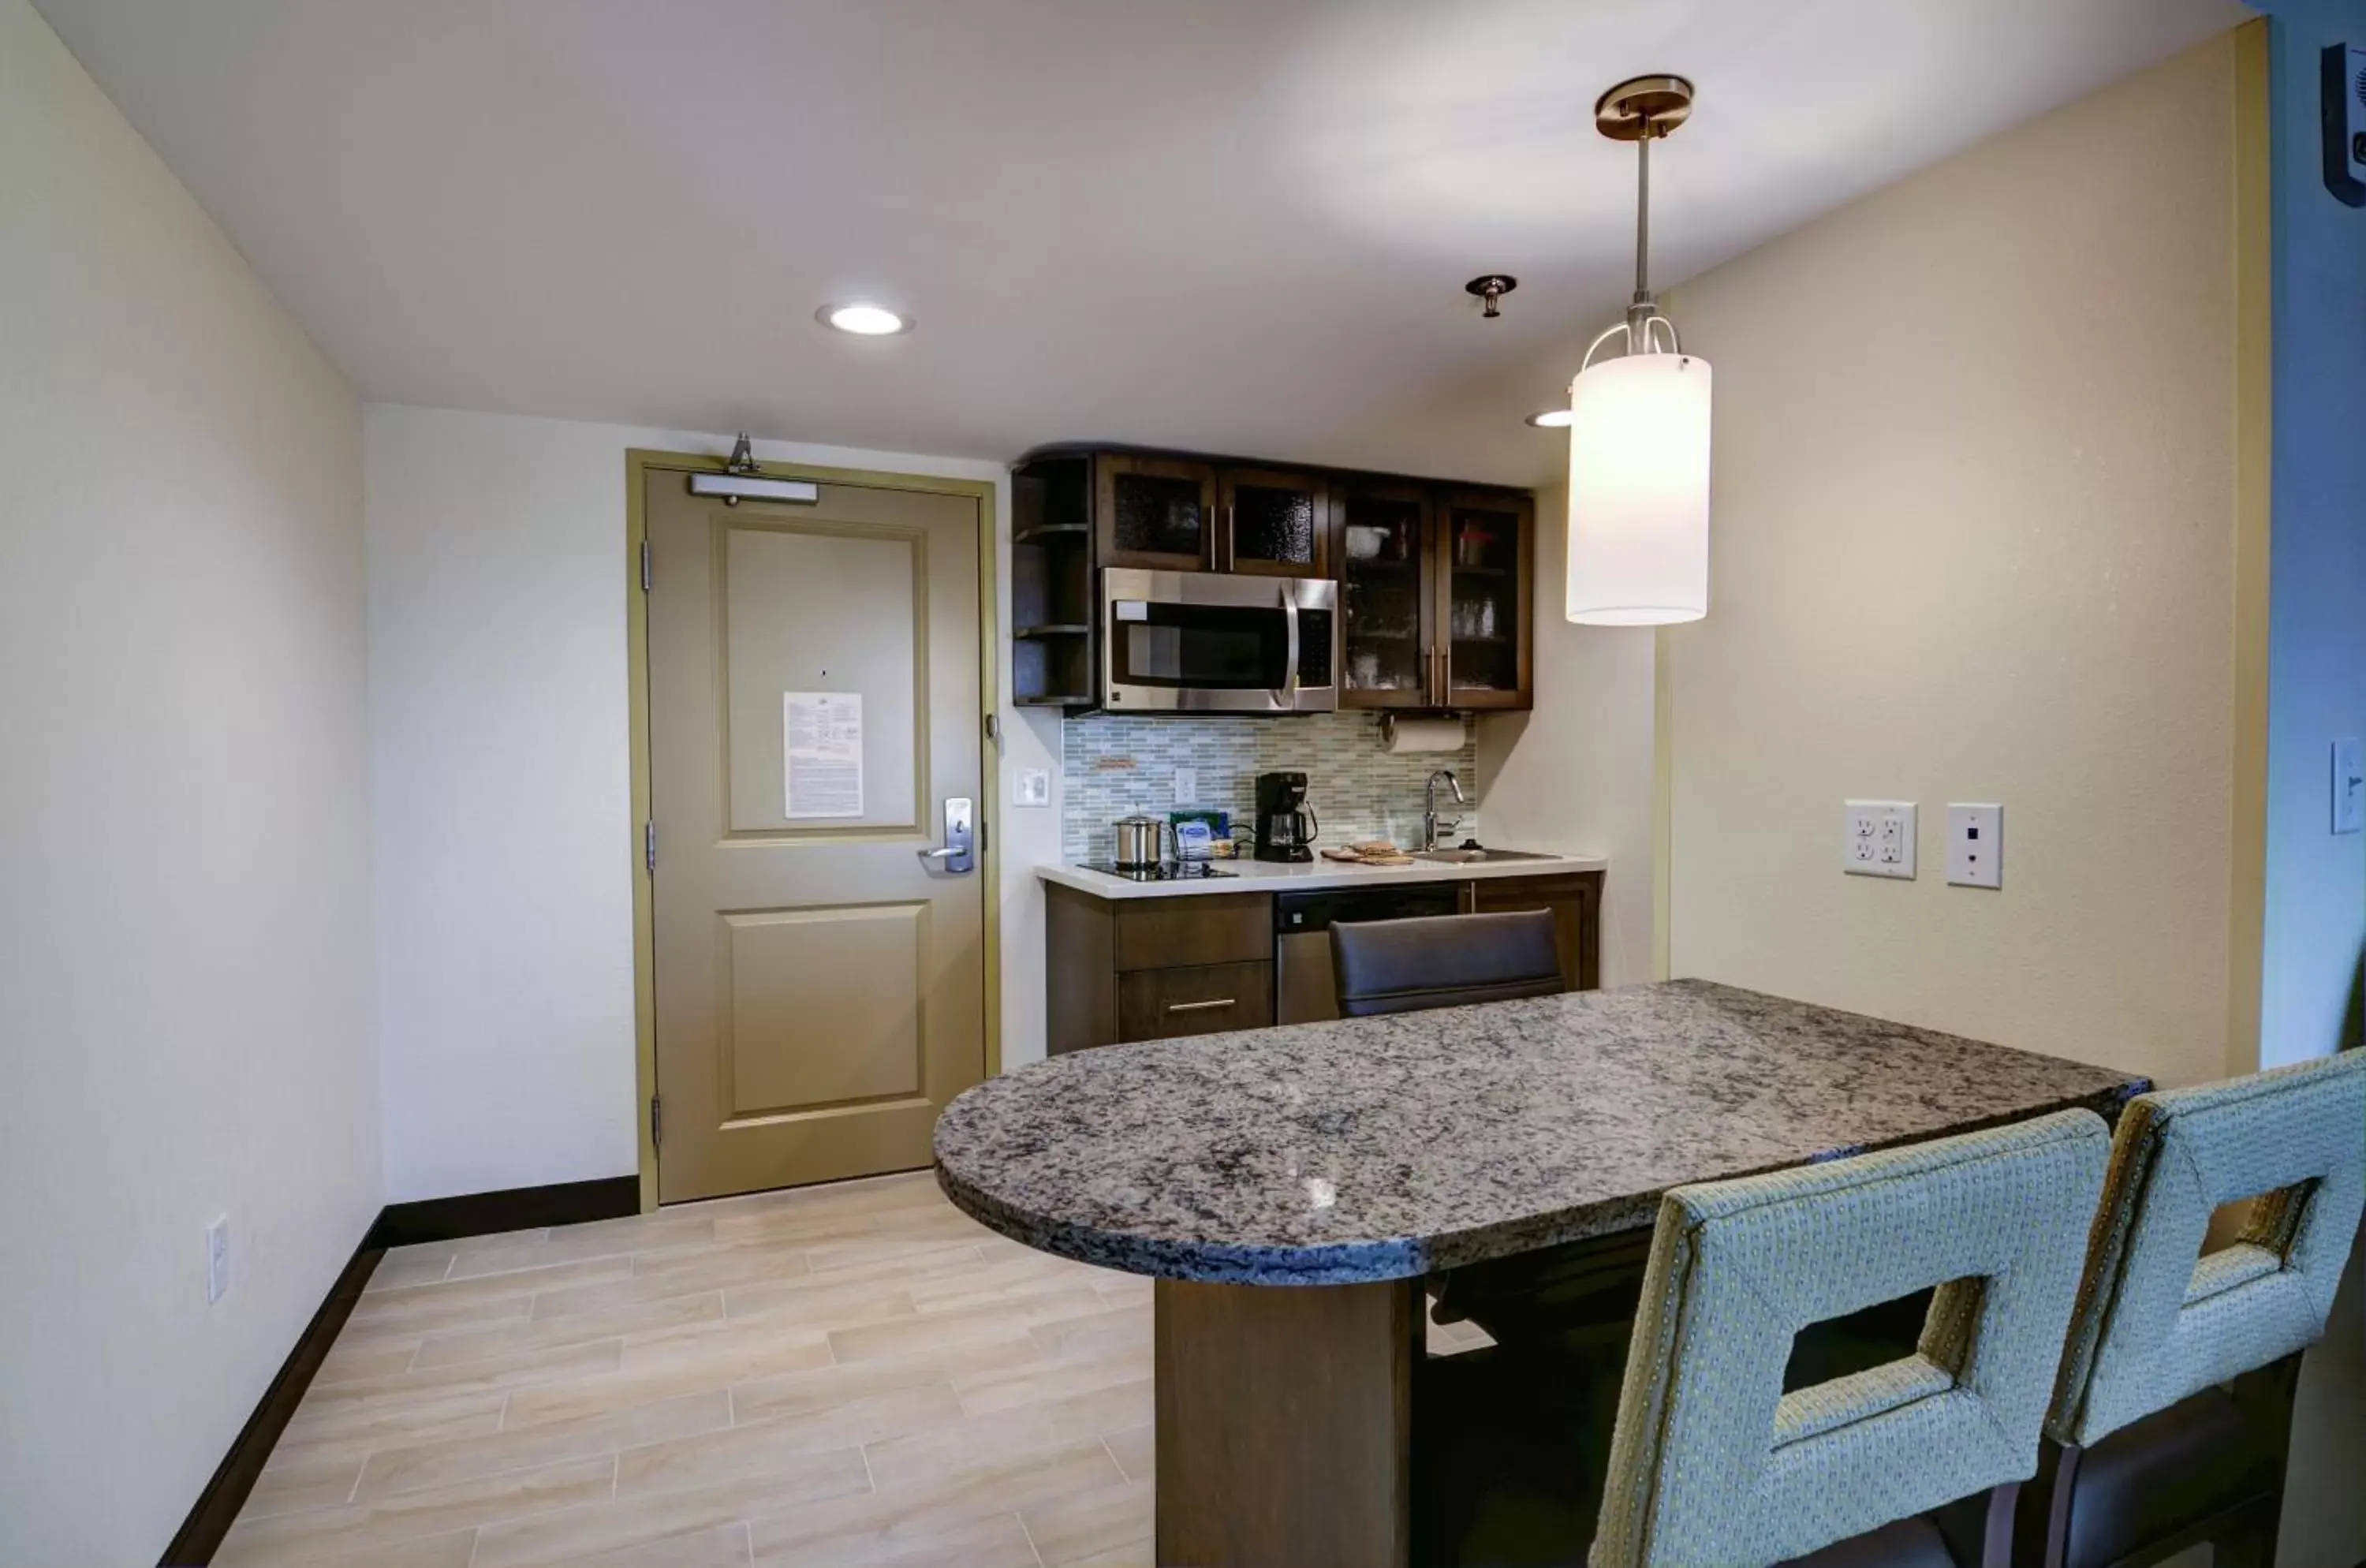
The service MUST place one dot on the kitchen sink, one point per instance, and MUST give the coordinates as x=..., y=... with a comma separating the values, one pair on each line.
x=1477, y=857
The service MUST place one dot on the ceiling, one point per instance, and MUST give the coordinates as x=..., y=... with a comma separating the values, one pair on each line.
x=1234, y=225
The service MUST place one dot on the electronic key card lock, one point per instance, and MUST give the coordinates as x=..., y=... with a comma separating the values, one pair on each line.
x=959, y=855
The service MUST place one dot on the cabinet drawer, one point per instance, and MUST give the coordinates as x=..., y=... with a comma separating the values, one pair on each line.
x=1161, y=1004
x=1202, y=927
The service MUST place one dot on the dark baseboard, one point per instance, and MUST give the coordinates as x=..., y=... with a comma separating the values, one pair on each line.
x=519, y=1209
x=201, y=1533
x=397, y=1224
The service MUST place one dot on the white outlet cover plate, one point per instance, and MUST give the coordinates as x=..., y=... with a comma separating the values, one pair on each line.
x=1877, y=838
x=1035, y=787
x=1187, y=787
x=1975, y=845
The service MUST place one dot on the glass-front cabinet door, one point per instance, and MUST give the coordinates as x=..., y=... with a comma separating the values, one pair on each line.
x=1156, y=513
x=1388, y=596
x=1487, y=552
x=1273, y=523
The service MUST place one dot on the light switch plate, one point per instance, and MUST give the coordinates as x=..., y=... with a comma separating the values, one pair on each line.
x=1877, y=838
x=1035, y=787
x=1976, y=846
x=2349, y=785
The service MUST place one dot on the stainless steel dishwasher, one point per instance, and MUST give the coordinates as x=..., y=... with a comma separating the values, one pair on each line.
x=1303, y=987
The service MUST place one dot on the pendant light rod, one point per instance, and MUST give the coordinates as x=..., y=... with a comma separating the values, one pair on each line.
x=1643, y=220
x=1642, y=110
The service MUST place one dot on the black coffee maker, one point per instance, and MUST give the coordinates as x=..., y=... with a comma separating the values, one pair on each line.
x=1285, y=828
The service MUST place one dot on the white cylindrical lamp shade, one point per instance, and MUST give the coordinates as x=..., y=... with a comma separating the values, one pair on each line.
x=1639, y=491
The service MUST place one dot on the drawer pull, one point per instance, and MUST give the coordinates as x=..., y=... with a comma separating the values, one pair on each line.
x=1203, y=1007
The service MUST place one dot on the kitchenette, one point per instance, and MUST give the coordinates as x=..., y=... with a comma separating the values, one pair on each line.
x=1269, y=676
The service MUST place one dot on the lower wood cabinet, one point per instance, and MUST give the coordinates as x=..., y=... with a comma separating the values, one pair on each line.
x=1576, y=900
x=1127, y=969
x=1155, y=968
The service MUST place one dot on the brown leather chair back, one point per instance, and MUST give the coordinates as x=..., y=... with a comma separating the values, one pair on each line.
x=1443, y=961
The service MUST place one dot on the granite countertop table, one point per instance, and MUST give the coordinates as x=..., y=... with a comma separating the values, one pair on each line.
x=1381, y=1148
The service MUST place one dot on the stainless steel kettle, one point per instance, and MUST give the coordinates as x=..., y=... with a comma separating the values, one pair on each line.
x=1141, y=838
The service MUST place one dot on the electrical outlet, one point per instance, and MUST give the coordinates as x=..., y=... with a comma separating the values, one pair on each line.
x=217, y=1260
x=2349, y=787
x=1877, y=838
x=1187, y=787
x=1976, y=846
x=1035, y=787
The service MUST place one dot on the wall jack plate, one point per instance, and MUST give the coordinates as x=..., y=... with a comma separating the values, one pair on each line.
x=1976, y=846
x=1879, y=839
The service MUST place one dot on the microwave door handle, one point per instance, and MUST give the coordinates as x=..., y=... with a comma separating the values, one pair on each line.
x=1288, y=697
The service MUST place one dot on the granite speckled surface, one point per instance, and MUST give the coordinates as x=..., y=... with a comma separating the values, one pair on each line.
x=1384, y=1147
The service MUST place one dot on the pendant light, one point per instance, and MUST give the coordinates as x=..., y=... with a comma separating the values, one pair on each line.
x=1639, y=423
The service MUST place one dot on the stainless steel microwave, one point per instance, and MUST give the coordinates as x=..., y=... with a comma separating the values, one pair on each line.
x=1206, y=642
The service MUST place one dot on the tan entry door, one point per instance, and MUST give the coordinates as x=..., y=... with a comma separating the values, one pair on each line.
x=814, y=705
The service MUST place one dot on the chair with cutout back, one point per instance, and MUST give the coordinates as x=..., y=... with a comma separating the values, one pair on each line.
x=1713, y=1465
x=2173, y=1409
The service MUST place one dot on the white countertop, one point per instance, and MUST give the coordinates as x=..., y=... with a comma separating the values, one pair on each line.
x=1265, y=876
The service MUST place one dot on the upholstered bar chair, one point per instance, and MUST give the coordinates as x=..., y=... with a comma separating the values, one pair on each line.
x=1713, y=1465
x=1443, y=961
x=2173, y=1409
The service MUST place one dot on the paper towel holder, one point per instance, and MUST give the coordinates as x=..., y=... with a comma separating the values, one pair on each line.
x=1389, y=730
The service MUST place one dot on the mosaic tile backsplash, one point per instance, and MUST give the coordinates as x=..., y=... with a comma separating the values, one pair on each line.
x=1114, y=766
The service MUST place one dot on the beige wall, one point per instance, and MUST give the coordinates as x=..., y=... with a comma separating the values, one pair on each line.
x=184, y=799
x=1976, y=503
x=1576, y=774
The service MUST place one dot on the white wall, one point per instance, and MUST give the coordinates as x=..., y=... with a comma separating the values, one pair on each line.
x=184, y=951
x=1974, y=541
x=1576, y=774
x=501, y=769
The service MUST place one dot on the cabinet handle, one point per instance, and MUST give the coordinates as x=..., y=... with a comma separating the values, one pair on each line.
x=1203, y=1007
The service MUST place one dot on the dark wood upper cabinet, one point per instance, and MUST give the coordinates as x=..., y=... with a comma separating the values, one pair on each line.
x=1054, y=638
x=1387, y=590
x=1436, y=580
x=1486, y=566
x=1159, y=512
x=1273, y=523
x=1438, y=585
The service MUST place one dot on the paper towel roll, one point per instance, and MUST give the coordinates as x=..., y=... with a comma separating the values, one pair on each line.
x=1421, y=734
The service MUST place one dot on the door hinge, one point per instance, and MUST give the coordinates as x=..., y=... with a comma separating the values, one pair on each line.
x=657, y=1121
x=993, y=729
x=650, y=845
x=646, y=573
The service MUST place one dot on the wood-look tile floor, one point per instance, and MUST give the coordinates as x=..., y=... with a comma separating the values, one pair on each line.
x=856, y=1375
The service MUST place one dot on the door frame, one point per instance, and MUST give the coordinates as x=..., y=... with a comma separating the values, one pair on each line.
x=640, y=464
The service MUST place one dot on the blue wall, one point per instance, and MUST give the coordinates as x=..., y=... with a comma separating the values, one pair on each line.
x=2316, y=652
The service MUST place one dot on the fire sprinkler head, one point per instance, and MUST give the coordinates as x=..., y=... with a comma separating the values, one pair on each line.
x=1491, y=288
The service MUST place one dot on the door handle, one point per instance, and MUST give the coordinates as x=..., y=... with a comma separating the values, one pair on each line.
x=959, y=855
x=1203, y=1007
x=1286, y=698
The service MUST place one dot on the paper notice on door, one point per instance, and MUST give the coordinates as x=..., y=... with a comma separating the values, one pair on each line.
x=822, y=733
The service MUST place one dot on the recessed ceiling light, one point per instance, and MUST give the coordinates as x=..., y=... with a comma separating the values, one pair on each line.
x=863, y=319
x=1552, y=419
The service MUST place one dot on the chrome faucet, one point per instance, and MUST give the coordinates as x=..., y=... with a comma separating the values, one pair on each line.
x=1429, y=822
